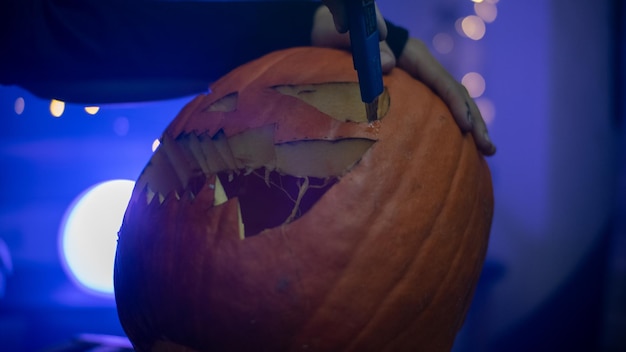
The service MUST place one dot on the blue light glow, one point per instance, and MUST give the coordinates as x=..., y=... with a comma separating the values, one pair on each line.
x=88, y=235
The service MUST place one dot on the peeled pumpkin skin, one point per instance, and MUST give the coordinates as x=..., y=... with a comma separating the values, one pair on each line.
x=386, y=259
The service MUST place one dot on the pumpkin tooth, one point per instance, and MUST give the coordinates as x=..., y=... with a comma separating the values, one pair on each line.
x=220, y=196
x=180, y=161
x=159, y=174
x=214, y=161
x=161, y=198
x=192, y=143
x=240, y=224
x=149, y=195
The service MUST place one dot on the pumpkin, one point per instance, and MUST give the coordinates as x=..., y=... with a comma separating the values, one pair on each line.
x=274, y=217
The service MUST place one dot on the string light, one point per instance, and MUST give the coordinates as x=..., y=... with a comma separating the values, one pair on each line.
x=19, y=105
x=487, y=109
x=57, y=108
x=155, y=144
x=92, y=110
x=486, y=11
x=443, y=43
x=475, y=84
x=473, y=27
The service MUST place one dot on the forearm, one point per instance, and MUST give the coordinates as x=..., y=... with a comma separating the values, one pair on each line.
x=78, y=40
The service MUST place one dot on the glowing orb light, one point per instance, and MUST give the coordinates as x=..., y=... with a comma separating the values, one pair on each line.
x=88, y=235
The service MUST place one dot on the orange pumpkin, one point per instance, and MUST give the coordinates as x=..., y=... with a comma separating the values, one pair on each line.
x=274, y=217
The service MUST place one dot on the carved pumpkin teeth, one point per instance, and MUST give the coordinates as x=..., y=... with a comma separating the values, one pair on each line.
x=219, y=197
x=292, y=176
x=288, y=177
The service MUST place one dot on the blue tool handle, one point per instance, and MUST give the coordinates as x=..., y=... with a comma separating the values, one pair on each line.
x=364, y=39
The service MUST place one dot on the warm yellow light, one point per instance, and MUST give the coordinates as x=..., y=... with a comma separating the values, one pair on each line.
x=477, y=1
x=475, y=84
x=19, y=105
x=487, y=11
x=57, y=107
x=443, y=43
x=92, y=110
x=473, y=27
x=155, y=144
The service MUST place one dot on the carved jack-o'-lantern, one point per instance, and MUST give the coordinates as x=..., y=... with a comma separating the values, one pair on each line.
x=274, y=217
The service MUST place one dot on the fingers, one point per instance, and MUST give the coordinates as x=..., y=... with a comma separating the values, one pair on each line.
x=417, y=61
x=479, y=130
x=339, y=14
x=324, y=33
x=464, y=111
x=387, y=58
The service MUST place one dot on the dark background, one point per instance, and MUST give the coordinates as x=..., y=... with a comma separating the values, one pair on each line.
x=555, y=275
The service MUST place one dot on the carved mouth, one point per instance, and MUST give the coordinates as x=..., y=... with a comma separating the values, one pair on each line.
x=273, y=183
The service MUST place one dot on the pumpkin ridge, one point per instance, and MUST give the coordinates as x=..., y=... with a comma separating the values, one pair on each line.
x=363, y=242
x=396, y=285
x=323, y=303
x=472, y=216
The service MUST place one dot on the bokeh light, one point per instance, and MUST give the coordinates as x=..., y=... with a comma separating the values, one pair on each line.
x=487, y=109
x=155, y=144
x=443, y=43
x=19, y=105
x=88, y=235
x=475, y=84
x=57, y=107
x=473, y=27
x=486, y=11
x=92, y=110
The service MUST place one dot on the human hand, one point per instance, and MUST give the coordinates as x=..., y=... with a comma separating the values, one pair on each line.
x=417, y=60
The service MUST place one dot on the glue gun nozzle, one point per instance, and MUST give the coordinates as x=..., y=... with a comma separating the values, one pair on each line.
x=371, y=109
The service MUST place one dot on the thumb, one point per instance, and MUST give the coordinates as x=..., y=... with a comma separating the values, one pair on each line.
x=387, y=58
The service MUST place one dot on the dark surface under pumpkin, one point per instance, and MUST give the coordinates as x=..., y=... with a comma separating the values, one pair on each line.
x=273, y=217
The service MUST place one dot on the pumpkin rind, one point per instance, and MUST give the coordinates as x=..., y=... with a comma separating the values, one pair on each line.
x=386, y=260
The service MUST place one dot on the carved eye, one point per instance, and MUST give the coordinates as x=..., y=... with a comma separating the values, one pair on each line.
x=339, y=100
x=228, y=103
